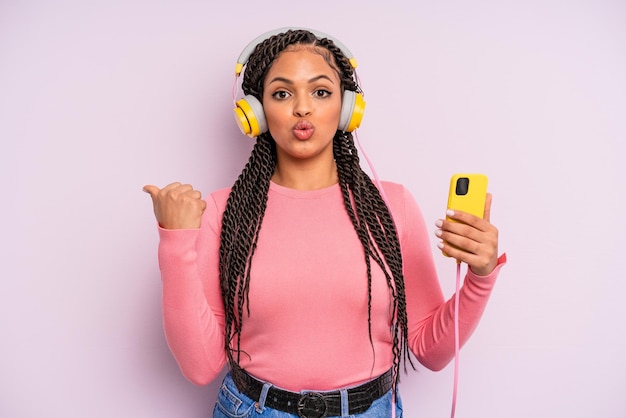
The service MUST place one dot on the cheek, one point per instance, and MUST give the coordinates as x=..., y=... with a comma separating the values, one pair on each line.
x=277, y=121
x=272, y=114
x=334, y=113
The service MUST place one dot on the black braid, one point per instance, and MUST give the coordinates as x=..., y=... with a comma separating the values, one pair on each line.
x=240, y=227
x=377, y=233
x=246, y=205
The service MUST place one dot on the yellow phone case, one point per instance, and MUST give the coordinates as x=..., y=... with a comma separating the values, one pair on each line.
x=468, y=193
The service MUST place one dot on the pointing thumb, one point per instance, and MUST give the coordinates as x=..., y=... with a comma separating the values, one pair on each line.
x=151, y=190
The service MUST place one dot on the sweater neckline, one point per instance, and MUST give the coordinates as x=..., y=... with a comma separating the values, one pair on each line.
x=303, y=194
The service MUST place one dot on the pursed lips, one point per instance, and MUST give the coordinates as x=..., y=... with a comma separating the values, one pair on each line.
x=303, y=129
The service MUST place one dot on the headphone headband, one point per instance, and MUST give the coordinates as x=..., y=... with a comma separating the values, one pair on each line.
x=247, y=51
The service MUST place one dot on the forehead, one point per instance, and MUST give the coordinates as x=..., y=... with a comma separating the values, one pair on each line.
x=304, y=58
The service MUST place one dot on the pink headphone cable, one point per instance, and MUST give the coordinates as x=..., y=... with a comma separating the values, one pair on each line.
x=235, y=91
x=371, y=166
x=456, y=337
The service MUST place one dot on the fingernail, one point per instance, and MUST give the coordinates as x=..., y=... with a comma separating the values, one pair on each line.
x=440, y=245
x=450, y=212
x=439, y=223
x=438, y=232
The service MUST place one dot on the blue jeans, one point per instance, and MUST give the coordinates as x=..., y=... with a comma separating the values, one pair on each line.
x=233, y=404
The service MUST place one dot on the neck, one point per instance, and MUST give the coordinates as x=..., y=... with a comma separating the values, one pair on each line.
x=306, y=178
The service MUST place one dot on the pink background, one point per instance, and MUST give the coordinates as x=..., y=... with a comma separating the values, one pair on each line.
x=98, y=98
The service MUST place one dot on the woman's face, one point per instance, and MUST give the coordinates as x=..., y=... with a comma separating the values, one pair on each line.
x=302, y=104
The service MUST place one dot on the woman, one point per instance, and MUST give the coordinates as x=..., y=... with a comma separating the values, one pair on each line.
x=298, y=276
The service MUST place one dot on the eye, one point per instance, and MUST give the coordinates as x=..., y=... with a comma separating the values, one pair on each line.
x=321, y=93
x=280, y=95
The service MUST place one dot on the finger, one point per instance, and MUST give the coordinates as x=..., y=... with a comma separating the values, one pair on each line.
x=480, y=256
x=460, y=240
x=481, y=232
x=151, y=190
x=176, y=190
x=195, y=194
x=463, y=234
x=190, y=196
x=457, y=253
x=185, y=188
x=171, y=186
x=462, y=218
x=487, y=215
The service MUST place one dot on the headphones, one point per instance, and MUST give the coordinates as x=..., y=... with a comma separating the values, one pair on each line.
x=249, y=113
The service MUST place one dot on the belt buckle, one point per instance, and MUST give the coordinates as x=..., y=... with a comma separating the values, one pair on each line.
x=312, y=405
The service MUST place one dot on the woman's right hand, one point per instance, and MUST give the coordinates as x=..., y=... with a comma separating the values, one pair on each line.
x=177, y=206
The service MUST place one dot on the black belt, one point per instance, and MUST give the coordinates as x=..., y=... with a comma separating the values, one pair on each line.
x=314, y=404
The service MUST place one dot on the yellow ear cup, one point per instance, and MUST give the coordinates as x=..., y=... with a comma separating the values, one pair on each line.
x=352, y=109
x=250, y=117
x=357, y=113
x=242, y=121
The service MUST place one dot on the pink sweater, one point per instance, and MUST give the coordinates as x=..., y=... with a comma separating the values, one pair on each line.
x=307, y=327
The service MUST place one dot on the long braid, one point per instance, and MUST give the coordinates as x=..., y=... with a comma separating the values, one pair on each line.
x=246, y=205
x=372, y=221
x=377, y=233
x=241, y=223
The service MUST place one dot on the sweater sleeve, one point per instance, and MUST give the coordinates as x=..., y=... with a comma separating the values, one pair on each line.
x=430, y=316
x=193, y=312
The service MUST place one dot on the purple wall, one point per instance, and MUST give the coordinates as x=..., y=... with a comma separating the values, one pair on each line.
x=99, y=98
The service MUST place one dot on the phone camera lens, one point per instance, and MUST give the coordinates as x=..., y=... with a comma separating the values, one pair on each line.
x=462, y=186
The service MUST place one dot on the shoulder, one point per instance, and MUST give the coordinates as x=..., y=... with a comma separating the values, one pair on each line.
x=391, y=187
x=216, y=203
x=219, y=197
x=402, y=204
x=396, y=194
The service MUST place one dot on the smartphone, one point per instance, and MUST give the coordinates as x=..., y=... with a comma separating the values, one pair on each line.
x=468, y=193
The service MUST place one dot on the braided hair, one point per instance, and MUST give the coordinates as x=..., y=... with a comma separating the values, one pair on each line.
x=245, y=208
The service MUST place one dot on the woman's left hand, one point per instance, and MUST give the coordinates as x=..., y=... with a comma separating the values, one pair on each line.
x=471, y=240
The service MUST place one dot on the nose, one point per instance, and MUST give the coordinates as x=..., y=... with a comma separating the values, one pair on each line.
x=302, y=106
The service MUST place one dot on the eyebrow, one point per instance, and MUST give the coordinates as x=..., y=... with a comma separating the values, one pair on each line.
x=312, y=80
